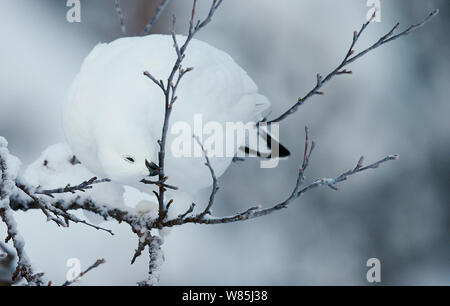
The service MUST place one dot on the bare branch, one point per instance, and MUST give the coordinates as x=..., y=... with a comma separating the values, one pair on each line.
x=160, y=83
x=169, y=90
x=256, y=211
x=159, y=183
x=188, y=211
x=72, y=189
x=331, y=182
x=215, y=187
x=120, y=15
x=155, y=17
x=348, y=59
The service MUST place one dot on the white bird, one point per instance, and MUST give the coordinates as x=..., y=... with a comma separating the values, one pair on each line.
x=113, y=115
x=56, y=167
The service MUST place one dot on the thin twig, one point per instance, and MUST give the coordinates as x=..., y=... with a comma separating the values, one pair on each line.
x=169, y=90
x=59, y=216
x=155, y=17
x=143, y=241
x=72, y=189
x=96, y=264
x=349, y=59
x=159, y=183
x=120, y=15
x=215, y=186
x=257, y=211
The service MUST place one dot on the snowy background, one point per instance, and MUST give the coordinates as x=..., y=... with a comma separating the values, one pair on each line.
x=395, y=102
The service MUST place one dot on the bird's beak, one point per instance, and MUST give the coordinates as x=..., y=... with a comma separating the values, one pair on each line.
x=152, y=168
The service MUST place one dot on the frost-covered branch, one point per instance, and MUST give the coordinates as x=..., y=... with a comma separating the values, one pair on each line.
x=59, y=216
x=350, y=58
x=9, y=189
x=155, y=262
x=21, y=203
x=9, y=167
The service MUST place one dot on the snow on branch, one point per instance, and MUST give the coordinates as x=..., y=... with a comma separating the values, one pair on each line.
x=57, y=215
x=9, y=167
x=155, y=262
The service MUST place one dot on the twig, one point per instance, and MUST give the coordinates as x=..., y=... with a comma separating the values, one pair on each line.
x=169, y=90
x=256, y=211
x=120, y=15
x=144, y=240
x=155, y=17
x=215, y=186
x=159, y=184
x=349, y=59
x=60, y=217
x=72, y=189
x=19, y=203
x=96, y=264
x=187, y=212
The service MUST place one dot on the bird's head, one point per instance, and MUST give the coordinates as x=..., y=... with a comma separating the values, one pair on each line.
x=128, y=160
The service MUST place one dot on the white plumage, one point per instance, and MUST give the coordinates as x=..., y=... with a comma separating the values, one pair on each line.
x=114, y=112
x=56, y=168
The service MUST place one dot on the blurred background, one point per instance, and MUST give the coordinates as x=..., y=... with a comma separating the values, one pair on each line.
x=396, y=101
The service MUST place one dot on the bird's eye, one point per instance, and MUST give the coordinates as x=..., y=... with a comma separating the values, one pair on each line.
x=129, y=159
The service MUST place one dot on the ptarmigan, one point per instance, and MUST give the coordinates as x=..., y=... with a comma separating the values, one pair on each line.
x=113, y=115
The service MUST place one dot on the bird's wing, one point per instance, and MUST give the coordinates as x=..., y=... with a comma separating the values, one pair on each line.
x=223, y=88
